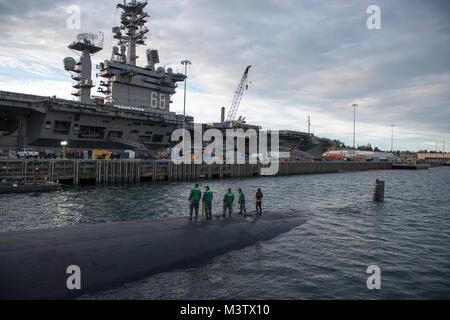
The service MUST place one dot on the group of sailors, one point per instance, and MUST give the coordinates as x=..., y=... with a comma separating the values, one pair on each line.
x=74, y=154
x=196, y=196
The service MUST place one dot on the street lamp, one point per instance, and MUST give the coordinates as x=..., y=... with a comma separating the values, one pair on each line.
x=185, y=63
x=64, y=144
x=392, y=137
x=443, y=146
x=354, y=121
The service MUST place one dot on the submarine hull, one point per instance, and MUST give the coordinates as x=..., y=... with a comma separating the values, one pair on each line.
x=34, y=264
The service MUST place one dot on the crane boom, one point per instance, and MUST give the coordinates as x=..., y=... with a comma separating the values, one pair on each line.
x=238, y=96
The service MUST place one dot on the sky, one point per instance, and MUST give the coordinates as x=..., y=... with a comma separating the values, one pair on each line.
x=309, y=58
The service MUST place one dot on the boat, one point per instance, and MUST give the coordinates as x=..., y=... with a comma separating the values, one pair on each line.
x=26, y=187
x=132, y=111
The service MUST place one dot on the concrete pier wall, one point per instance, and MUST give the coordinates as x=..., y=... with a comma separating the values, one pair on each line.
x=292, y=167
x=132, y=171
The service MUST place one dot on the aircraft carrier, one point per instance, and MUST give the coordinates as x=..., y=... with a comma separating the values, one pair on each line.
x=134, y=110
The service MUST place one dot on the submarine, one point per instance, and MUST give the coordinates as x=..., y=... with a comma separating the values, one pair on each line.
x=42, y=264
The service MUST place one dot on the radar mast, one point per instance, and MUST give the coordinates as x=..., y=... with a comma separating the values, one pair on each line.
x=87, y=44
x=128, y=84
x=132, y=29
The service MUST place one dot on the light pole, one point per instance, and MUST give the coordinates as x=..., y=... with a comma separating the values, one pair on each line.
x=185, y=63
x=309, y=125
x=392, y=137
x=354, y=122
x=64, y=144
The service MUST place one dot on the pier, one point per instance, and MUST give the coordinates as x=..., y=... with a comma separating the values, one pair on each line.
x=77, y=172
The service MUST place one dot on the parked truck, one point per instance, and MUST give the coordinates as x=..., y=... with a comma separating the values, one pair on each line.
x=28, y=153
x=101, y=154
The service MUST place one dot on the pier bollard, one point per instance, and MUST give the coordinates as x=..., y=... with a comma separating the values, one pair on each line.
x=210, y=171
x=169, y=171
x=154, y=171
x=378, y=192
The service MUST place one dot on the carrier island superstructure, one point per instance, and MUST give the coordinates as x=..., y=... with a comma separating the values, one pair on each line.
x=133, y=111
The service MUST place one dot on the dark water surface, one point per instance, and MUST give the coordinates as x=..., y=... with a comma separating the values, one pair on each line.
x=407, y=236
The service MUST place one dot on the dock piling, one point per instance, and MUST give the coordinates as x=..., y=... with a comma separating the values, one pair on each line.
x=378, y=193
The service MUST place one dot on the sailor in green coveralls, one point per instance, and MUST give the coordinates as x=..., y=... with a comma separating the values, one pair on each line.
x=194, y=199
x=207, y=199
x=241, y=201
x=228, y=203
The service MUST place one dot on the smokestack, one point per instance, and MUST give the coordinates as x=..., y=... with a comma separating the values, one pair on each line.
x=222, y=115
x=309, y=125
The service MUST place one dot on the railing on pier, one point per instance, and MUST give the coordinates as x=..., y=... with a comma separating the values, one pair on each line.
x=134, y=170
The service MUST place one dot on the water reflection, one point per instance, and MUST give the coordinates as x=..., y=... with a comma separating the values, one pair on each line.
x=325, y=258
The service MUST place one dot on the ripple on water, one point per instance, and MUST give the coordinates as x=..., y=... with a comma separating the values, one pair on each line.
x=325, y=258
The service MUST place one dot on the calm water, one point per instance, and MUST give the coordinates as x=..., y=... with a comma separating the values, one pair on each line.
x=407, y=236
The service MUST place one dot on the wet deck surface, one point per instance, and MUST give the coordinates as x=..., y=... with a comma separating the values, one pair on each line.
x=33, y=264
